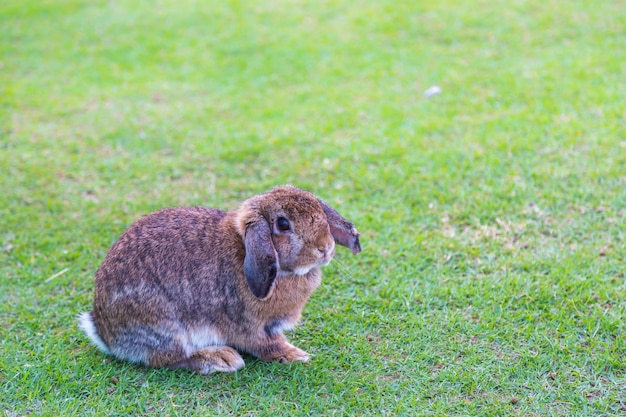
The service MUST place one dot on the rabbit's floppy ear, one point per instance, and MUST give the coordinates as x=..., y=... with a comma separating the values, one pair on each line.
x=342, y=230
x=260, y=264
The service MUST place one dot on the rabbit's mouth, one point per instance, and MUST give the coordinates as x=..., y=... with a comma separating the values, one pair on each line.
x=306, y=269
x=327, y=256
x=325, y=260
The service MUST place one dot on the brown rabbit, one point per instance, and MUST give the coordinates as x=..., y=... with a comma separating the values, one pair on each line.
x=184, y=287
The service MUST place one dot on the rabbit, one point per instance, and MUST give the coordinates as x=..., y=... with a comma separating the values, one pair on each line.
x=189, y=287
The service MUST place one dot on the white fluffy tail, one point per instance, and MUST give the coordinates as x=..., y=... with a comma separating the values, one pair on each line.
x=85, y=321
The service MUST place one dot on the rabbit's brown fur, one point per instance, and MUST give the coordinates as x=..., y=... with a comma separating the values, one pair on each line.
x=184, y=287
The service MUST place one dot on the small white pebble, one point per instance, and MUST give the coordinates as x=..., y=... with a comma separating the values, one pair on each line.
x=432, y=91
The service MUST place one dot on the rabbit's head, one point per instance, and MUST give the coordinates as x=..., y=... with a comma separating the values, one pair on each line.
x=289, y=232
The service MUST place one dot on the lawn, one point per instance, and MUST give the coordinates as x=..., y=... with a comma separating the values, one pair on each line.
x=493, y=215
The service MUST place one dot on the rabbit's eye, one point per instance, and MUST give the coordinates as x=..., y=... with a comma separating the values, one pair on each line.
x=282, y=224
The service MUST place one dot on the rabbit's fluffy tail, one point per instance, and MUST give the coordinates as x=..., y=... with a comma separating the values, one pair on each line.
x=85, y=321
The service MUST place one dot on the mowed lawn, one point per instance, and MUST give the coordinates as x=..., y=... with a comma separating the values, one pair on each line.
x=493, y=215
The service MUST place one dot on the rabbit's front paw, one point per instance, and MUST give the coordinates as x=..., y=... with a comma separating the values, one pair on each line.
x=285, y=353
x=294, y=355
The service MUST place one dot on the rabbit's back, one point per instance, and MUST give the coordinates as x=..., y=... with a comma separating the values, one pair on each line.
x=171, y=241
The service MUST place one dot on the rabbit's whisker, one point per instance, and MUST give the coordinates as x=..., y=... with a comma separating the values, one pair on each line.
x=343, y=270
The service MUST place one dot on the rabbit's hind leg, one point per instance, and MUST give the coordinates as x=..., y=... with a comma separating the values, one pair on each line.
x=211, y=359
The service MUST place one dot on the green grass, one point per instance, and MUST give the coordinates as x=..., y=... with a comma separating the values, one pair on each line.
x=492, y=215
